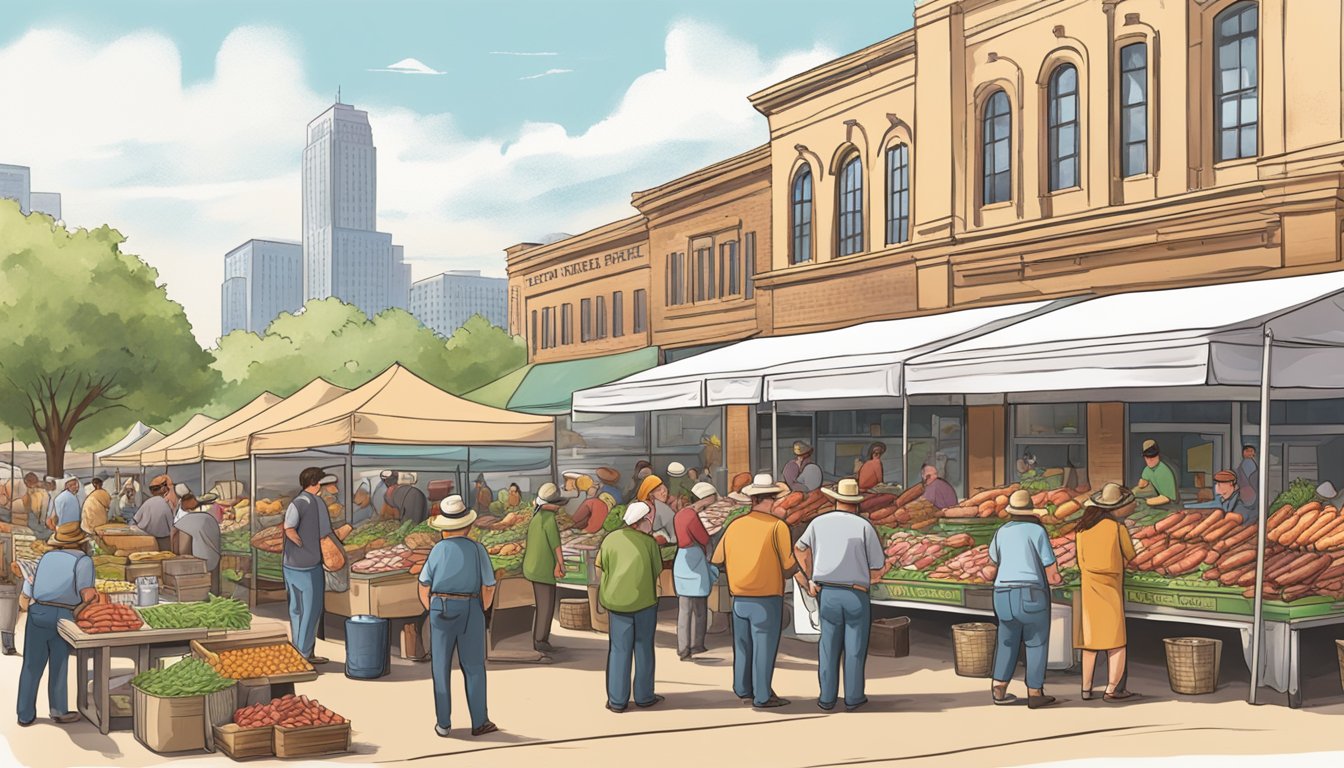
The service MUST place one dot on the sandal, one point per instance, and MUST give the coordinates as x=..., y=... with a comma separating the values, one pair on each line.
x=1088, y=695
x=1000, y=695
x=1119, y=696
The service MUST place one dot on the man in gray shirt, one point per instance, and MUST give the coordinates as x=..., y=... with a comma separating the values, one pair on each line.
x=306, y=525
x=202, y=538
x=155, y=516
x=839, y=556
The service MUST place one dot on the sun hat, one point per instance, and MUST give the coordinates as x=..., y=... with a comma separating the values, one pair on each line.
x=68, y=536
x=1020, y=504
x=647, y=487
x=208, y=498
x=1223, y=476
x=676, y=469
x=636, y=511
x=801, y=448
x=583, y=483
x=764, y=485
x=1150, y=448
x=1111, y=496
x=548, y=494
x=703, y=490
x=608, y=475
x=453, y=515
x=847, y=491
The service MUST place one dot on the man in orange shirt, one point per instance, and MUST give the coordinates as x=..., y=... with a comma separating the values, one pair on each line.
x=758, y=555
x=870, y=473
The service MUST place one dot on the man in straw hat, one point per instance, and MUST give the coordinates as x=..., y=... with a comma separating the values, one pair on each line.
x=543, y=563
x=59, y=589
x=839, y=556
x=802, y=473
x=757, y=552
x=630, y=564
x=1025, y=571
x=457, y=586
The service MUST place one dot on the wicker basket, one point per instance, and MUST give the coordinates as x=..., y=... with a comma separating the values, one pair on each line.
x=973, y=646
x=1192, y=664
x=574, y=614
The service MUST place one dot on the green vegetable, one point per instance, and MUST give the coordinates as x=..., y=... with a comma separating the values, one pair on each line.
x=189, y=677
x=1300, y=491
x=216, y=613
x=511, y=565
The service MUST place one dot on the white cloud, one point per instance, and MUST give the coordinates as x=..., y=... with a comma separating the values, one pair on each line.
x=547, y=73
x=524, y=53
x=189, y=171
x=410, y=67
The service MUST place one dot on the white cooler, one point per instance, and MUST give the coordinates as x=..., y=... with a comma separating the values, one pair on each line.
x=1061, y=637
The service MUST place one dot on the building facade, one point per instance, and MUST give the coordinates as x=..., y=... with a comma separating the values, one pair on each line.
x=344, y=255
x=443, y=303
x=998, y=152
x=46, y=202
x=262, y=278
x=16, y=184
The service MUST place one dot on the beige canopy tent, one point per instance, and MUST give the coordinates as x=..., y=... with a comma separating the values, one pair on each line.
x=232, y=444
x=188, y=449
x=133, y=456
x=129, y=456
x=399, y=408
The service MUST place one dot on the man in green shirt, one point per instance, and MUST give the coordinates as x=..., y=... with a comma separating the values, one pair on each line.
x=543, y=564
x=630, y=563
x=1157, y=483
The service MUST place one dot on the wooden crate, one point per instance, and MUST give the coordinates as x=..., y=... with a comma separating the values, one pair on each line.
x=180, y=724
x=312, y=741
x=184, y=565
x=186, y=594
x=186, y=580
x=393, y=596
x=241, y=743
x=136, y=570
x=205, y=649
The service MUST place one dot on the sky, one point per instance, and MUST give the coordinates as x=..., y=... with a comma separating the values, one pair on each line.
x=181, y=123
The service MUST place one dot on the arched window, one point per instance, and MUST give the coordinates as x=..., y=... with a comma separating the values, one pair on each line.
x=849, y=210
x=898, y=194
x=997, y=142
x=1062, y=126
x=802, y=216
x=1236, y=101
x=1134, y=109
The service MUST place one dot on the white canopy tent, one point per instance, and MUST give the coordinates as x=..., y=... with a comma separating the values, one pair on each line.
x=1264, y=334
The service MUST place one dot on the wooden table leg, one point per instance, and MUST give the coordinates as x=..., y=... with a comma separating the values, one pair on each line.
x=102, y=667
x=144, y=658
x=83, y=682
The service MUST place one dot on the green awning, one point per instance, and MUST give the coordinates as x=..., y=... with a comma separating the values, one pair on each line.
x=545, y=388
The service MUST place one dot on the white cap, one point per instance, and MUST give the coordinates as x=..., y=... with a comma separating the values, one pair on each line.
x=703, y=490
x=676, y=469
x=181, y=489
x=636, y=511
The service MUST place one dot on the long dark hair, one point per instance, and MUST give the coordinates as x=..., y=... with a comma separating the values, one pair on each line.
x=1092, y=516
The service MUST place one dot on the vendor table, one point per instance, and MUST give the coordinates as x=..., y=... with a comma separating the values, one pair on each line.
x=93, y=656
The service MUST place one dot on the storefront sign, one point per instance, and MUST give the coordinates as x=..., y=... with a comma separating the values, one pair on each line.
x=592, y=264
x=923, y=593
x=1187, y=600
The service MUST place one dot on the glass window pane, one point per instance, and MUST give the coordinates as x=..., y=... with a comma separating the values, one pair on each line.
x=1000, y=157
x=1249, y=146
x=1137, y=160
x=1001, y=191
x=1067, y=140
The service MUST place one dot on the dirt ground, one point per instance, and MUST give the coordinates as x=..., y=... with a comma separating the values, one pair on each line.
x=922, y=713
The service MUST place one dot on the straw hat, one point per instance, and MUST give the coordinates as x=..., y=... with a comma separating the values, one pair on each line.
x=453, y=515
x=676, y=469
x=1020, y=504
x=68, y=536
x=847, y=491
x=1111, y=496
x=636, y=511
x=764, y=485
x=548, y=494
x=608, y=475
x=647, y=486
x=703, y=490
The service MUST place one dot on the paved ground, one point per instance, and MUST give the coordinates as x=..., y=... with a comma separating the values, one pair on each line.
x=922, y=714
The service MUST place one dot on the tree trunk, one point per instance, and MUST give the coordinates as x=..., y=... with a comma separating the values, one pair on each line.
x=54, y=444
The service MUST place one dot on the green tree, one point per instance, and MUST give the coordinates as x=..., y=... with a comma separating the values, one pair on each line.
x=339, y=343
x=88, y=338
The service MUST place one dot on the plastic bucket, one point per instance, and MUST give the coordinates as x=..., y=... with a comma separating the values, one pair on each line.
x=367, y=650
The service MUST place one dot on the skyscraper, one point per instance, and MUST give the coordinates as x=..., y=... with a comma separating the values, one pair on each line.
x=16, y=184
x=443, y=303
x=262, y=278
x=343, y=253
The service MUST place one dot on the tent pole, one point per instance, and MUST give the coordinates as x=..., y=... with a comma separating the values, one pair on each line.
x=774, y=440
x=905, y=436
x=252, y=527
x=1258, y=621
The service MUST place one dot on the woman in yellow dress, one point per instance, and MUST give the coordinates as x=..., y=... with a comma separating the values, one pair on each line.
x=1103, y=549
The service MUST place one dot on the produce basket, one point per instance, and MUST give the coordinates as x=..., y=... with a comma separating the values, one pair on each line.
x=312, y=741
x=180, y=723
x=973, y=648
x=209, y=650
x=574, y=614
x=1192, y=664
x=889, y=637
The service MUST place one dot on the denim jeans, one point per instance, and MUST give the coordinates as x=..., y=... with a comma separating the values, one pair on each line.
x=1024, y=618
x=43, y=649
x=307, y=593
x=630, y=641
x=757, y=623
x=458, y=625
x=846, y=616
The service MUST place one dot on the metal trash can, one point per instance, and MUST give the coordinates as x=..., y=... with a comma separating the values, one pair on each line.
x=368, y=653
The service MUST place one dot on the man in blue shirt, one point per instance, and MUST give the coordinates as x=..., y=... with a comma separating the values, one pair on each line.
x=457, y=585
x=65, y=507
x=1025, y=571
x=1227, y=498
x=59, y=589
x=306, y=525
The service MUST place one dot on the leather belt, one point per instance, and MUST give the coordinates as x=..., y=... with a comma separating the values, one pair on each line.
x=854, y=587
x=454, y=596
x=56, y=605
